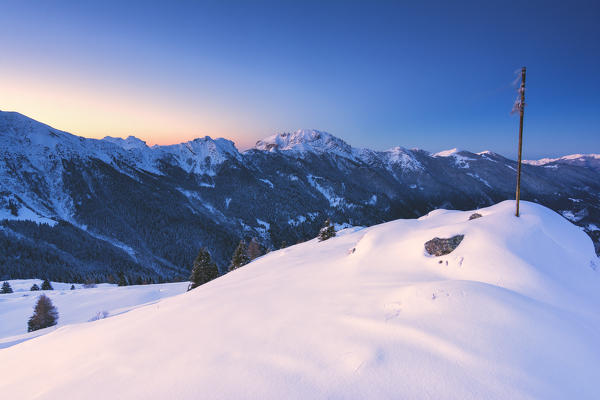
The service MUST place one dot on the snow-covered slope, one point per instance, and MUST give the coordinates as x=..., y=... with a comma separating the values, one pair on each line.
x=583, y=160
x=74, y=306
x=512, y=313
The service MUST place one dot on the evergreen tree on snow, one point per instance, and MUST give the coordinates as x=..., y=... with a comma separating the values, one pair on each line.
x=6, y=288
x=34, y=287
x=254, y=250
x=327, y=231
x=44, y=315
x=122, y=279
x=203, y=270
x=46, y=285
x=240, y=256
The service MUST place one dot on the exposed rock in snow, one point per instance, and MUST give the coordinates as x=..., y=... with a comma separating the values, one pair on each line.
x=440, y=247
x=474, y=216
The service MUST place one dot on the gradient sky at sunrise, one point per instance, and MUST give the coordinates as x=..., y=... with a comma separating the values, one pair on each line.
x=433, y=75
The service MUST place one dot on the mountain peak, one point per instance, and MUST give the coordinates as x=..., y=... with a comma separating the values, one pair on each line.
x=447, y=153
x=21, y=127
x=305, y=140
x=131, y=142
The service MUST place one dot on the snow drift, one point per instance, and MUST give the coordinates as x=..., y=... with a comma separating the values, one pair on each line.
x=512, y=312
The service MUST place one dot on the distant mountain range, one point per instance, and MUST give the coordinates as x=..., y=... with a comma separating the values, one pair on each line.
x=73, y=208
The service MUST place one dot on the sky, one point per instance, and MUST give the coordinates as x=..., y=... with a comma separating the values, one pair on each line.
x=426, y=74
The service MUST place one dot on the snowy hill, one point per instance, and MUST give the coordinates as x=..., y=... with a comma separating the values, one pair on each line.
x=511, y=313
x=74, y=306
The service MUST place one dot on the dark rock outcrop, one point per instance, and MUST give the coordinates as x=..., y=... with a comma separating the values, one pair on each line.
x=440, y=247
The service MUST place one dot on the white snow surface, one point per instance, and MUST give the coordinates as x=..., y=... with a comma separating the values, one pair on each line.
x=447, y=153
x=512, y=313
x=25, y=214
x=74, y=306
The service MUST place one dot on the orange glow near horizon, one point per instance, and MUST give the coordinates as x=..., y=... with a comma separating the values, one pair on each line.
x=96, y=111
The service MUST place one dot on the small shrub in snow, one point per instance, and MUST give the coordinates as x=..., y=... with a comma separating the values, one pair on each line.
x=327, y=231
x=44, y=315
x=34, y=287
x=89, y=284
x=99, y=315
x=6, y=288
x=46, y=285
x=475, y=216
x=72, y=287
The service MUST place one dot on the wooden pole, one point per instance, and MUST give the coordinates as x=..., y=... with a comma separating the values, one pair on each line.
x=521, y=110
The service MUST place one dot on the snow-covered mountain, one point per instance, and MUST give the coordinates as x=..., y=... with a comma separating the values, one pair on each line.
x=306, y=140
x=582, y=160
x=511, y=313
x=116, y=205
x=310, y=141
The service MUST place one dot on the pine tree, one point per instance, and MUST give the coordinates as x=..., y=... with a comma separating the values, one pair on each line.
x=6, y=288
x=254, y=250
x=327, y=231
x=240, y=256
x=46, y=285
x=44, y=315
x=122, y=279
x=34, y=287
x=203, y=270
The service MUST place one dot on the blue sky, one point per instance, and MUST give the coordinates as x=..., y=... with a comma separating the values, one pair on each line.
x=433, y=75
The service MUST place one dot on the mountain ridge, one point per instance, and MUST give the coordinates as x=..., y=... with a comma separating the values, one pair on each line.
x=151, y=207
x=284, y=141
